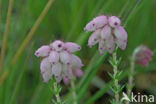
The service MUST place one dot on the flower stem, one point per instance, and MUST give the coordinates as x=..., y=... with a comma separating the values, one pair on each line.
x=57, y=93
x=115, y=79
x=73, y=91
x=130, y=79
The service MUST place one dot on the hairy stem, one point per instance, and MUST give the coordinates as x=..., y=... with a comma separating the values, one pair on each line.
x=115, y=80
x=4, y=44
x=73, y=91
x=57, y=93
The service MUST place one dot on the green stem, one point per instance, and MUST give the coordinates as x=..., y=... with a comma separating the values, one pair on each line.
x=73, y=91
x=115, y=80
x=130, y=79
x=57, y=93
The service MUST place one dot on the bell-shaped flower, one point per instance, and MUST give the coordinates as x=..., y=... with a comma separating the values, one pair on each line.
x=45, y=68
x=57, y=45
x=54, y=57
x=94, y=38
x=114, y=21
x=76, y=61
x=71, y=47
x=108, y=35
x=65, y=57
x=142, y=55
x=59, y=61
x=78, y=72
x=120, y=37
x=96, y=23
x=43, y=51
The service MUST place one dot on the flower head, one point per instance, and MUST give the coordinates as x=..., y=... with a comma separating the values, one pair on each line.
x=107, y=31
x=58, y=61
x=142, y=55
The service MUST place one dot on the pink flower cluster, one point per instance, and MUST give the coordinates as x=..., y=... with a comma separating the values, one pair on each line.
x=142, y=55
x=107, y=31
x=59, y=61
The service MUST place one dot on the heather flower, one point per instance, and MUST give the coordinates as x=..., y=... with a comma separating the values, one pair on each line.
x=58, y=61
x=43, y=51
x=107, y=31
x=142, y=55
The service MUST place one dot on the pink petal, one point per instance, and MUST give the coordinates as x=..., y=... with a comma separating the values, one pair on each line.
x=57, y=69
x=94, y=38
x=72, y=47
x=102, y=47
x=65, y=57
x=142, y=55
x=90, y=26
x=148, y=57
x=47, y=76
x=106, y=32
x=45, y=65
x=65, y=80
x=100, y=21
x=143, y=62
x=78, y=72
x=108, y=38
x=114, y=21
x=110, y=44
x=121, y=37
x=149, y=52
x=57, y=45
x=96, y=23
x=53, y=57
x=58, y=78
x=76, y=61
x=69, y=73
x=43, y=51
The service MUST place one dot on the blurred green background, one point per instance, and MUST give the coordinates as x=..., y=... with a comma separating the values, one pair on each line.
x=65, y=21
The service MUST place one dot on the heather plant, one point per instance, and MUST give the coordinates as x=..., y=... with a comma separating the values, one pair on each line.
x=108, y=32
x=77, y=51
x=59, y=62
x=142, y=55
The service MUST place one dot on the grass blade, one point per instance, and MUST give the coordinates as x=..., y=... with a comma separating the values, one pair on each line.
x=5, y=38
